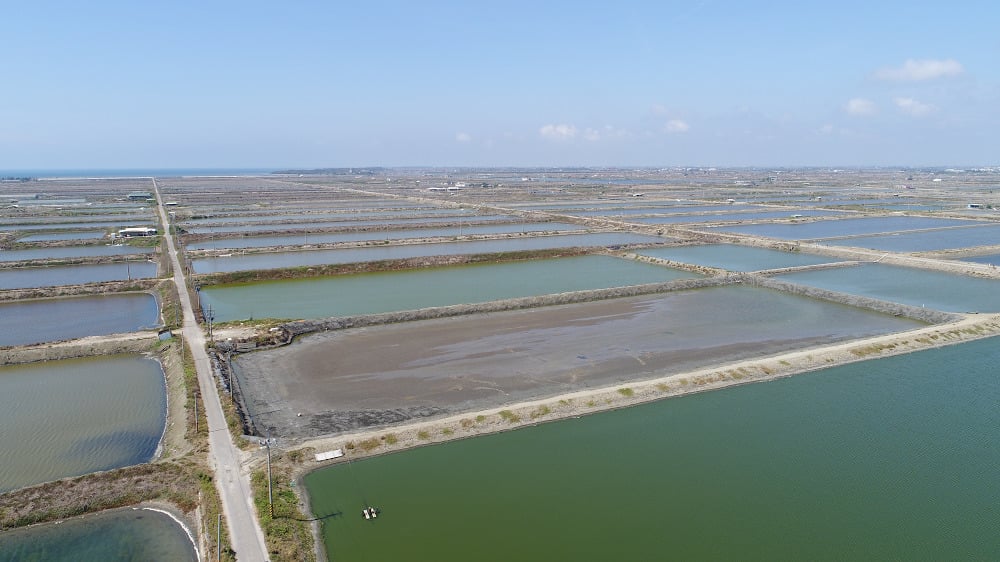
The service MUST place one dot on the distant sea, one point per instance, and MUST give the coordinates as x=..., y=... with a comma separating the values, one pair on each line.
x=136, y=172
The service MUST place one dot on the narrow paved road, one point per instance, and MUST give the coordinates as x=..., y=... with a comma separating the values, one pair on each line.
x=245, y=534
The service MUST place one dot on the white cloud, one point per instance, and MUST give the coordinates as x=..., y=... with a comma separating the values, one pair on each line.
x=558, y=132
x=658, y=109
x=915, y=70
x=592, y=135
x=827, y=129
x=860, y=106
x=463, y=137
x=677, y=126
x=913, y=107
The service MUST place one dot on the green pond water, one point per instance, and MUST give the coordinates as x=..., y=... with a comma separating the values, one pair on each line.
x=66, y=418
x=890, y=459
x=735, y=258
x=407, y=290
x=121, y=534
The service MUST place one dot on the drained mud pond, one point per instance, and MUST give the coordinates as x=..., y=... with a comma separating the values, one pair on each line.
x=354, y=378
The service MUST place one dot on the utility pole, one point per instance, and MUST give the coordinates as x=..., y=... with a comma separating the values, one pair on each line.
x=218, y=539
x=210, y=317
x=196, y=412
x=270, y=505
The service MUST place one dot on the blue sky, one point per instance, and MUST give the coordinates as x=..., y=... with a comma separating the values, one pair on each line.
x=314, y=84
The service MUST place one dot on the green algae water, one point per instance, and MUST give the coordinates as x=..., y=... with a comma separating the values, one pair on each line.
x=71, y=417
x=370, y=293
x=121, y=534
x=890, y=459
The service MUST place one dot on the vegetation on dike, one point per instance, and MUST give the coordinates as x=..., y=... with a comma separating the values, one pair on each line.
x=286, y=528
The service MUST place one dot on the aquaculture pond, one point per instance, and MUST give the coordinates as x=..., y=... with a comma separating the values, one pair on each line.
x=990, y=259
x=64, y=252
x=119, y=534
x=613, y=212
x=75, y=225
x=732, y=217
x=592, y=205
x=735, y=258
x=808, y=230
x=55, y=275
x=72, y=417
x=83, y=218
x=261, y=217
x=44, y=320
x=888, y=459
x=77, y=235
x=915, y=287
x=927, y=240
x=384, y=223
x=273, y=260
x=370, y=293
x=336, y=237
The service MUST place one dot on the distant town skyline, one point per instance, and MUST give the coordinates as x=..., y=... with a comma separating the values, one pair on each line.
x=309, y=85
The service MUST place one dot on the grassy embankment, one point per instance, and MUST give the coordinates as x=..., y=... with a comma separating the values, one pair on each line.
x=286, y=528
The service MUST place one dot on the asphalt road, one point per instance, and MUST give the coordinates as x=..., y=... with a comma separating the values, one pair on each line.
x=232, y=483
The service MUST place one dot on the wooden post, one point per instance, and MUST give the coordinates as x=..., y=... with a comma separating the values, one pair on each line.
x=218, y=539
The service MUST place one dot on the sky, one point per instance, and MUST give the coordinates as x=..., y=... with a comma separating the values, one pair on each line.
x=225, y=84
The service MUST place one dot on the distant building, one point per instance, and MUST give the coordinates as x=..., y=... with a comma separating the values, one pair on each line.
x=139, y=195
x=136, y=231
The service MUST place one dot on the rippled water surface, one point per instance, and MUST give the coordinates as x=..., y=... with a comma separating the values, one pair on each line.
x=66, y=418
x=54, y=275
x=121, y=534
x=44, y=320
